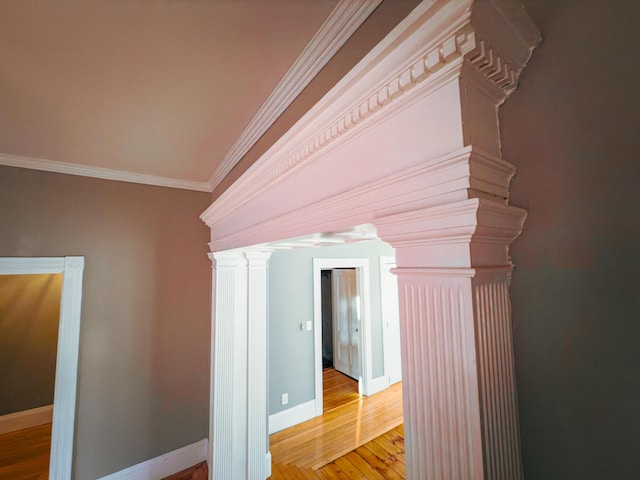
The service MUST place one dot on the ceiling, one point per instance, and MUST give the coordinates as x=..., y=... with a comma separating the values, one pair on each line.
x=164, y=92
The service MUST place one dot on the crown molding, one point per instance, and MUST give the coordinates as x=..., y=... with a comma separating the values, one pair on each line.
x=99, y=172
x=343, y=21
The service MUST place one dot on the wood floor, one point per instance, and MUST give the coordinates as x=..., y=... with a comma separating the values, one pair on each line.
x=337, y=389
x=356, y=438
x=24, y=454
x=360, y=439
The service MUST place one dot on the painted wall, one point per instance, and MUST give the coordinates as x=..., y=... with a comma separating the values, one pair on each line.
x=572, y=130
x=291, y=354
x=144, y=338
x=29, y=319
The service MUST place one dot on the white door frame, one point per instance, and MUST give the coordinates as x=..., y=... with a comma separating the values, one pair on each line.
x=384, y=294
x=64, y=402
x=364, y=289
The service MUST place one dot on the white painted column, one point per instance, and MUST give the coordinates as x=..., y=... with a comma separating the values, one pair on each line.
x=460, y=405
x=238, y=441
x=258, y=456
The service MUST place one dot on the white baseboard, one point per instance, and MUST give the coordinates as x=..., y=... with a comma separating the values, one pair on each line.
x=292, y=416
x=164, y=465
x=26, y=419
x=378, y=384
x=267, y=463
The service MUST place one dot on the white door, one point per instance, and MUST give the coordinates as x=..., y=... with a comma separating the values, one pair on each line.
x=391, y=320
x=346, y=322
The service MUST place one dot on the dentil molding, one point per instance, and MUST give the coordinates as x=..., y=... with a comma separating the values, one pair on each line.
x=434, y=44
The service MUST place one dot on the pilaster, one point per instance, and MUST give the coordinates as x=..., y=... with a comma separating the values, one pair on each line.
x=457, y=353
x=238, y=441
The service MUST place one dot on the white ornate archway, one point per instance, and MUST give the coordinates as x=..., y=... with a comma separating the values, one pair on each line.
x=408, y=141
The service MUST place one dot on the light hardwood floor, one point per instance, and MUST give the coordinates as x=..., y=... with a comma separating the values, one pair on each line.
x=337, y=389
x=366, y=434
x=24, y=454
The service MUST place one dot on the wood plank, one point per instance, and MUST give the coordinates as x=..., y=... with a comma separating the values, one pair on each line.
x=367, y=470
x=337, y=389
x=378, y=463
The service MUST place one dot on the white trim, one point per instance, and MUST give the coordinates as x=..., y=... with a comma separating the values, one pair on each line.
x=267, y=463
x=292, y=416
x=99, y=172
x=64, y=399
x=384, y=295
x=343, y=21
x=26, y=419
x=165, y=465
x=363, y=280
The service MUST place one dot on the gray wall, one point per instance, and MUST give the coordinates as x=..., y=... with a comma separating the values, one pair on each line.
x=291, y=356
x=144, y=339
x=29, y=319
x=572, y=130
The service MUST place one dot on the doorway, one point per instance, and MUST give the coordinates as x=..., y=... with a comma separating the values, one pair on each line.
x=340, y=343
x=66, y=358
x=29, y=319
x=341, y=330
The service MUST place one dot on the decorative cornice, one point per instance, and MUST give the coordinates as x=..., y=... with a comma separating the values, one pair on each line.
x=459, y=175
x=99, y=172
x=428, y=64
x=476, y=220
x=435, y=44
x=500, y=73
x=375, y=95
x=470, y=233
x=343, y=21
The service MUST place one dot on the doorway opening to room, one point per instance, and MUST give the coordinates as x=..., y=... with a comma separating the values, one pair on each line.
x=354, y=402
x=340, y=337
x=40, y=302
x=29, y=320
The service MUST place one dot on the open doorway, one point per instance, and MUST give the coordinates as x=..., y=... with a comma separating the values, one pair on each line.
x=350, y=328
x=29, y=319
x=69, y=271
x=340, y=342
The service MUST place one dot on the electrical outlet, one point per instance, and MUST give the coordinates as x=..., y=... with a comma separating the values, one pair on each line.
x=285, y=398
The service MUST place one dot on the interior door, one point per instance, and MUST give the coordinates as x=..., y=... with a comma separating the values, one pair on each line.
x=346, y=322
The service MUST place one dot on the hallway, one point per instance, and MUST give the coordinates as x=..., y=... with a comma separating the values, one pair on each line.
x=360, y=438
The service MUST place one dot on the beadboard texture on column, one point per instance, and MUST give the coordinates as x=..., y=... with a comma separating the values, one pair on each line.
x=409, y=142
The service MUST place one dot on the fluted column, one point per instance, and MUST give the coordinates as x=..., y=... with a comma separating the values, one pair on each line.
x=238, y=442
x=460, y=402
x=258, y=458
